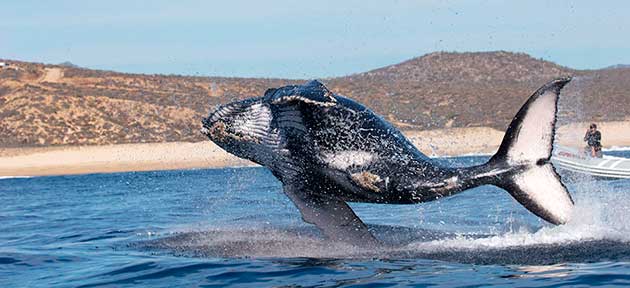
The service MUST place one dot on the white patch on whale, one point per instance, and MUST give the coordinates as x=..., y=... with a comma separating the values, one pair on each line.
x=344, y=159
x=541, y=185
x=535, y=136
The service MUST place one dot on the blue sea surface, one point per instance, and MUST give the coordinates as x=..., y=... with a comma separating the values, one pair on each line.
x=234, y=227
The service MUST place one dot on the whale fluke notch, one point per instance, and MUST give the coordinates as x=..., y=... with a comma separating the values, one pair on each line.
x=526, y=148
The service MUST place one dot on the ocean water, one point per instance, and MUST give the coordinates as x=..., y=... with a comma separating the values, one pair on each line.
x=234, y=227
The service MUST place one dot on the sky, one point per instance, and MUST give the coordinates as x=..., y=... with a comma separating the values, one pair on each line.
x=305, y=39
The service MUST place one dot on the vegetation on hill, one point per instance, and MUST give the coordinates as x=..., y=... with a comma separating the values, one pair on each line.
x=66, y=105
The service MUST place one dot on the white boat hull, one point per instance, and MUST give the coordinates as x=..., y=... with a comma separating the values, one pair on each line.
x=576, y=161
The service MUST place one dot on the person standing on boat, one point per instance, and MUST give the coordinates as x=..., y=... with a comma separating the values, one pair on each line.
x=593, y=139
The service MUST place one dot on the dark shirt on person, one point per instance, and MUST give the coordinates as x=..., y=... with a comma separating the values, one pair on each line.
x=593, y=138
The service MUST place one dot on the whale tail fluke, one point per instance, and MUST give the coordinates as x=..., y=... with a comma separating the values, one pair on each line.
x=525, y=155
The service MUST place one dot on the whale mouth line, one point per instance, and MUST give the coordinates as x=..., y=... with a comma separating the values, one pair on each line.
x=204, y=131
x=216, y=131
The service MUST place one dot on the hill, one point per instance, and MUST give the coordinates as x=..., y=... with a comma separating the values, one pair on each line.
x=43, y=105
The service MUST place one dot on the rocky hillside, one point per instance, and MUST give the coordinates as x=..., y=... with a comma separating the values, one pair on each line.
x=64, y=105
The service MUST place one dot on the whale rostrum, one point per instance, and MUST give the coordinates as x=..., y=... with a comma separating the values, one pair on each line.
x=328, y=150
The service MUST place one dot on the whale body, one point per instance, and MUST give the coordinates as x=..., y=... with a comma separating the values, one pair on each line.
x=328, y=150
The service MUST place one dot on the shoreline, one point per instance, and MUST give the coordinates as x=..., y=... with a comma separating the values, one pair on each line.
x=69, y=160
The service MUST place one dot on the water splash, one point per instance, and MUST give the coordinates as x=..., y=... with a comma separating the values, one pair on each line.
x=597, y=231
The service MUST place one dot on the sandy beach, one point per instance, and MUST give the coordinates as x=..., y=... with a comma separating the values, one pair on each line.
x=185, y=155
x=114, y=158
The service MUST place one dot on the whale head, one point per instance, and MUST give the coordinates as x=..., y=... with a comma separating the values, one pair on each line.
x=241, y=128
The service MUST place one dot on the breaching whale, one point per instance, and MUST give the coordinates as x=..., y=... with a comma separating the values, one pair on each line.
x=327, y=150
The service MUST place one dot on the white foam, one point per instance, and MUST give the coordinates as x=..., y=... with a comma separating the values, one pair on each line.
x=600, y=213
x=14, y=177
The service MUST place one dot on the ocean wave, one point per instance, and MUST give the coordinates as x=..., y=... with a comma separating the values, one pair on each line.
x=598, y=231
x=517, y=248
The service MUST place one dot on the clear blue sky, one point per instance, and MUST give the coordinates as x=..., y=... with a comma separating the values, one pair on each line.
x=303, y=39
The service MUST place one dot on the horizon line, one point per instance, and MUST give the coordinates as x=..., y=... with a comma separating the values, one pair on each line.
x=67, y=63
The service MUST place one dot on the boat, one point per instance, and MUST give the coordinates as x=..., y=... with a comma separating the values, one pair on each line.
x=577, y=161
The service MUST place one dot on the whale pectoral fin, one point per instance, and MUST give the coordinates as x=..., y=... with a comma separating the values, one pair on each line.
x=332, y=216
